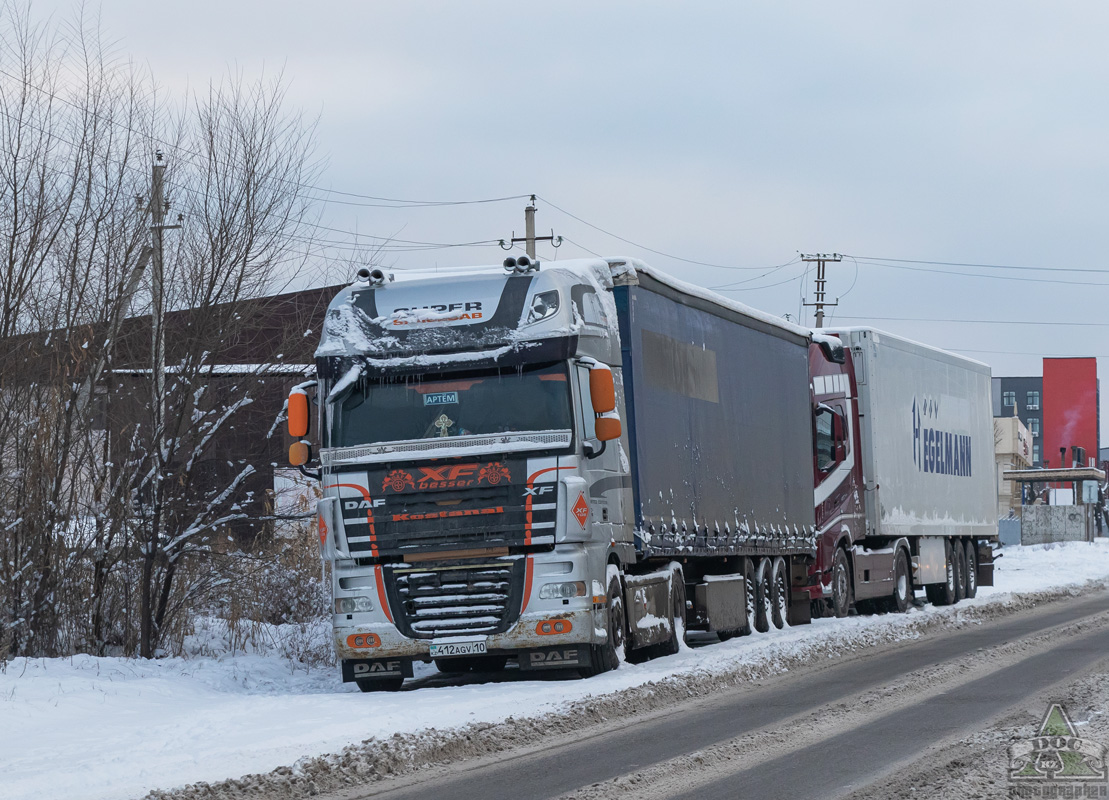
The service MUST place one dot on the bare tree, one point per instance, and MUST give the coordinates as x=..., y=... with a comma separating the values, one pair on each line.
x=99, y=508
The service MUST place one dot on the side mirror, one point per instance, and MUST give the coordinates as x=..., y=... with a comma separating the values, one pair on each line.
x=608, y=428
x=602, y=395
x=300, y=453
x=298, y=413
x=839, y=439
x=602, y=391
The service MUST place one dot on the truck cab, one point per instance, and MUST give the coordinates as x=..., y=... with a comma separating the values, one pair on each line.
x=473, y=468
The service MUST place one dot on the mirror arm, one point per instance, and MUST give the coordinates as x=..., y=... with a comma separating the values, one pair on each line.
x=592, y=451
x=313, y=474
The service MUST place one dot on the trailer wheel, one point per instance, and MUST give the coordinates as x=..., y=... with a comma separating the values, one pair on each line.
x=943, y=594
x=841, y=584
x=763, y=596
x=972, y=569
x=380, y=685
x=603, y=657
x=750, y=596
x=960, y=555
x=779, y=593
x=902, y=597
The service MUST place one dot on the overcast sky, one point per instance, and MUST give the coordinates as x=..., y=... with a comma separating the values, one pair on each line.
x=734, y=133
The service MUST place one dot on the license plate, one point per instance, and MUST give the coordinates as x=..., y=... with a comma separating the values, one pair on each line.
x=458, y=649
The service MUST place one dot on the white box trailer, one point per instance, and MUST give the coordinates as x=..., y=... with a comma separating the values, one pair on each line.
x=925, y=421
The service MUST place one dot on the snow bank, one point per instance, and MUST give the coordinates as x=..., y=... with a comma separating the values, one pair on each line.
x=95, y=728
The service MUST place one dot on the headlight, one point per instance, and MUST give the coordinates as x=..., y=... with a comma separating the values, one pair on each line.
x=543, y=305
x=353, y=605
x=562, y=591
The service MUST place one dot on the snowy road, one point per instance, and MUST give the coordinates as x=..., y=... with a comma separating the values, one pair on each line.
x=850, y=723
x=124, y=728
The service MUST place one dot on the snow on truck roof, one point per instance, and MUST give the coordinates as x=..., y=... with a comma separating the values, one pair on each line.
x=880, y=334
x=590, y=270
x=587, y=267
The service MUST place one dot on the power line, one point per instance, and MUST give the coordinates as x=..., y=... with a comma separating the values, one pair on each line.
x=381, y=202
x=641, y=246
x=1009, y=322
x=387, y=244
x=981, y=266
x=987, y=277
x=1016, y=353
x=767, y=286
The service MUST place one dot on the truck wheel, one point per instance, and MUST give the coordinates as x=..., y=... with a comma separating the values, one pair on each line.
x=750, y=597
x=972, y=569
x=380, y=685
x=960, y=555
x=841, y=584
x=763, y=598
x=943, y=594
x=603, y=657
x=902, y=597
x=779, y=593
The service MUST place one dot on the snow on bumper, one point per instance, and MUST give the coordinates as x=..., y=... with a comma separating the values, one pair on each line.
x=532, y=630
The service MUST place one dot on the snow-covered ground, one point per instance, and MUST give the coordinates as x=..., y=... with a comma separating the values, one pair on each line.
x=88, y=727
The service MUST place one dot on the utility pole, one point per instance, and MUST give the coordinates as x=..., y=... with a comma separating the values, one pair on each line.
x=820, y=259
x=157, y=305
x=158, y=208
x=529, y=238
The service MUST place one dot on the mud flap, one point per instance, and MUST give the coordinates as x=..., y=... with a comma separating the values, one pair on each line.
x=356, y=669
x=985, y=564
x=800, y=608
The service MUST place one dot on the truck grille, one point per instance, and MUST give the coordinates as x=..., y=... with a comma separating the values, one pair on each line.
x=471, y=599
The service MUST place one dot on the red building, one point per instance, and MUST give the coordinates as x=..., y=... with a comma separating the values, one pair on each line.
x=1070, y=409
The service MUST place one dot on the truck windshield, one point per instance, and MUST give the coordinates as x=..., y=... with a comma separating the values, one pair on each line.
x=459, y=404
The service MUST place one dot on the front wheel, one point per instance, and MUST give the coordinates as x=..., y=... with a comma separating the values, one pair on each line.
x=607, y=656
x=841, y=584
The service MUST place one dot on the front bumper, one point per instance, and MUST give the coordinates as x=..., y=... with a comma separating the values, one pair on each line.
x=383, y=640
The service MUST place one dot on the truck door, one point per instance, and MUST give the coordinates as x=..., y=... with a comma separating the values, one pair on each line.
x=606, y=479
